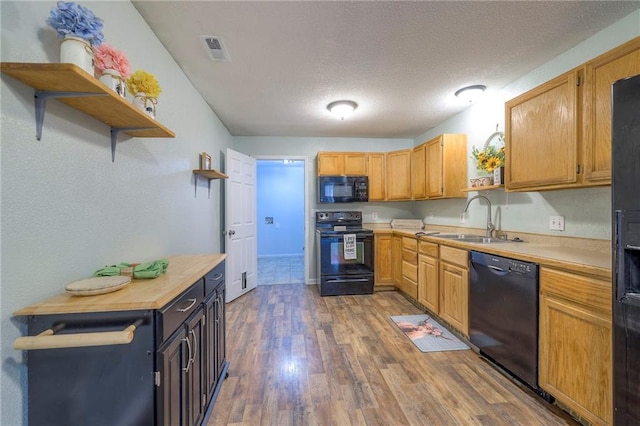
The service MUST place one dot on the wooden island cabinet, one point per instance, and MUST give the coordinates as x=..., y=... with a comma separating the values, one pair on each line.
x=151, y=353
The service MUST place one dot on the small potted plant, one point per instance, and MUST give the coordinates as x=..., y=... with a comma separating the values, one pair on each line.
x=146, y=89
x=80, y=30
x=112, y=68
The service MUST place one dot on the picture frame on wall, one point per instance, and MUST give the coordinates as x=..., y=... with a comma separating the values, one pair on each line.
x=205, y=161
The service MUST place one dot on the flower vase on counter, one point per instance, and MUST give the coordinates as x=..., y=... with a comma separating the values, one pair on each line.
x=78, y=51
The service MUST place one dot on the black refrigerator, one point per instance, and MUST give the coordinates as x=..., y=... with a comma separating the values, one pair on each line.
x=625, y=195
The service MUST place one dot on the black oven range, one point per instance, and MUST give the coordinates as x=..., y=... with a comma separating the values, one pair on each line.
x=345, y=253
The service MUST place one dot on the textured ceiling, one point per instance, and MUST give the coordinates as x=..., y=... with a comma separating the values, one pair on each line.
x=400, y=61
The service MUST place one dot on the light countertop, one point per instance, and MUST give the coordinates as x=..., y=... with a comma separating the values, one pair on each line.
x=591, y=257
x=140, y=294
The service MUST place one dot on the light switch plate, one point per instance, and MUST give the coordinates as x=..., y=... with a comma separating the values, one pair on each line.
x=556, y=223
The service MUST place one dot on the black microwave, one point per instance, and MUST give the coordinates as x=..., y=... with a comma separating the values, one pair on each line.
x=343, y=189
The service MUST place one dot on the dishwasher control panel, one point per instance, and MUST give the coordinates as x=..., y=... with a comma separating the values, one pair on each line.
x=523, y=268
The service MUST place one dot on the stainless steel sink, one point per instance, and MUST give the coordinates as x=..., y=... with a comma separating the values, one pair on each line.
x=471, y=238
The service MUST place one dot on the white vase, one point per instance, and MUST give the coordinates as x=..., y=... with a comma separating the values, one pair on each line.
x=114, y=81
x=145, y=104
x=78, y=51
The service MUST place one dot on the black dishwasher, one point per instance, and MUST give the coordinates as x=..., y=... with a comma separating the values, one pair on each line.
x=503, y=313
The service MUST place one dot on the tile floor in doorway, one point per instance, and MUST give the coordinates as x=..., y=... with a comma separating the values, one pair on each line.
x=281, y=270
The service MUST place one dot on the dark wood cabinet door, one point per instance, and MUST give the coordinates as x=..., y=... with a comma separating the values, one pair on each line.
x=211, y=366
x=196, y=402
x=220, y=332
x=172, y=358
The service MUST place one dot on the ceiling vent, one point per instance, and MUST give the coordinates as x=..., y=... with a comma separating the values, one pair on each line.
x=216, y=48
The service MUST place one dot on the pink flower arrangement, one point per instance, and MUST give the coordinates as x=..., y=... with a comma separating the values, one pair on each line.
x=108, y=57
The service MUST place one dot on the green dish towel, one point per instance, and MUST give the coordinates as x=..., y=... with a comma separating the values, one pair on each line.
x=144, y=270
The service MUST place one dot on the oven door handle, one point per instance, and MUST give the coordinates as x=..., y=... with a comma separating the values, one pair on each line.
x=355, y=280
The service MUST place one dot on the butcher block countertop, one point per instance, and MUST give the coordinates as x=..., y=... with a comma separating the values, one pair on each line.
x=581, y=255
x=140, y=294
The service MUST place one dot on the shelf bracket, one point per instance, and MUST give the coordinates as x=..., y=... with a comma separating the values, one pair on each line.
x=41, y=97
x=195, y=184
x=115, y=131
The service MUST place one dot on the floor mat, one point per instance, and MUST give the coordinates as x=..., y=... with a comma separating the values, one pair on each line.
x=427, y=334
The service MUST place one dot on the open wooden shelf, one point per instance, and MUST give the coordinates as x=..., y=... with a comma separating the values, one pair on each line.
x=482, y=188
x=210, y=174
x=75, y=87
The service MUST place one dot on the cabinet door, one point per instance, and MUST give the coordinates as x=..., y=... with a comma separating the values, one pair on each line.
x=172, y=392
x=211, y=373
x=196, y=399
x=355, y=163
x=396, y=259
x=454, y=296
x=600, y=74
x=383, y=266
x=575, y=361
x=428, y=282
x=330, y=163
x=221, y=351
x=399, y=175
x=376, y=173
x=419, y=172
x=435, y=185
x=541, y=135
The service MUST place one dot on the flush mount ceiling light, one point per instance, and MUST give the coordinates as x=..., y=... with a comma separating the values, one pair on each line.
x=470, y=93
x=342, y=109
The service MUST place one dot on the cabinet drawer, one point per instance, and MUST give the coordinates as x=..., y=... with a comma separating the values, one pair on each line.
x=587, y=291
x=409, y=244
x=454, y=255
x=410, y=272
x=213, y=279
x=430, y=249
x=177, y=311
x=409, y=256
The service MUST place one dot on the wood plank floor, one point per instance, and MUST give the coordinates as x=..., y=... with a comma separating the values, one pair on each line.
x=300, y=359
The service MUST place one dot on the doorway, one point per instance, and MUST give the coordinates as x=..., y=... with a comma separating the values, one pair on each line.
x=281, y=225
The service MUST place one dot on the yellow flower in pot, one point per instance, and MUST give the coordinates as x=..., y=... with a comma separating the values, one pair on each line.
x=146, y=89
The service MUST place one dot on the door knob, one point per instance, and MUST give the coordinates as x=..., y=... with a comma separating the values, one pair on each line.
x=232, y=232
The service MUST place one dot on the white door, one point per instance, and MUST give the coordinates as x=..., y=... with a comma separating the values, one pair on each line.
x=240, y=239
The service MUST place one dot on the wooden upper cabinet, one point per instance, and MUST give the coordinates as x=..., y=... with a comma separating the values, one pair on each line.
x=558, y=135
x=376, y=163
x=399, y=175
x=342, y=163
x=446, y=166
x=600, y=74
x=541, y=135
x=419, y=172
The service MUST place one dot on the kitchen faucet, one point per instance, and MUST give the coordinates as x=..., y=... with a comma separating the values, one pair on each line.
x=490, y=226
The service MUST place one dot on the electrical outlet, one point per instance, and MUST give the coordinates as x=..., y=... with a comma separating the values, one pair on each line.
x=374, y=215
x=556, y=223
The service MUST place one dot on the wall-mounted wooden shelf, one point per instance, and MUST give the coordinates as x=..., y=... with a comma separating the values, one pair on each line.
x=75, y=87
x=209, y=175
x=482, y=188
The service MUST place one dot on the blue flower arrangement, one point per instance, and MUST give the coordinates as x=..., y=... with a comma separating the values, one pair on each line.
x=69, y=18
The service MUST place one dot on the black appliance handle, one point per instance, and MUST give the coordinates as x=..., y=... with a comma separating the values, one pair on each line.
x=348, y=280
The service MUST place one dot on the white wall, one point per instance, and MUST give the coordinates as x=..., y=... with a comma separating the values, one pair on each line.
x=586, y=211
x=66, y=209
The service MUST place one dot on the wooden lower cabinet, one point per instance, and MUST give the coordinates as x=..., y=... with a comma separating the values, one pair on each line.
x=409, y=282
x=428, y=280
x=454, y=288
x=575, y=363
x=383, y=266
x=396, y=259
